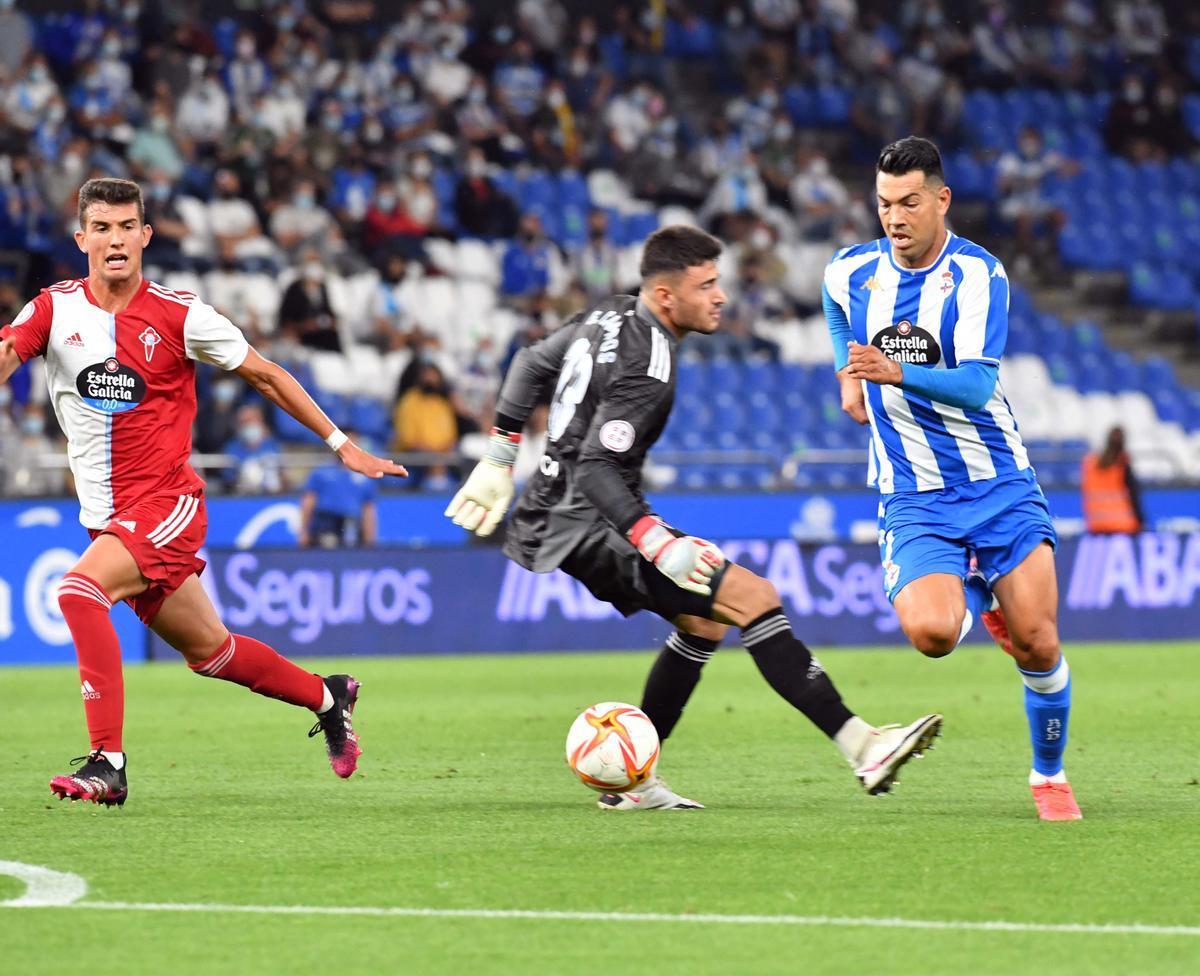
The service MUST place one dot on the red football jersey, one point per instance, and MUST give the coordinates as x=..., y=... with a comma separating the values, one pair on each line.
x=124, y=386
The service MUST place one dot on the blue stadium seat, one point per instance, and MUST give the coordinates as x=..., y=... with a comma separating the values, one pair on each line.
x=833, y=105
x=692, y=378
x=290, y=430
x=760, y=375
x=371, y=418
x=724, y=374
x=801, y=105
x=1191, y=114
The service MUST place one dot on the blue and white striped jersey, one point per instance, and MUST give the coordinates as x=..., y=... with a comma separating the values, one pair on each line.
x=953, y=312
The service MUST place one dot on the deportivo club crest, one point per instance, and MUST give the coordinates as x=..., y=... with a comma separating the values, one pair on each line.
x=150, y=339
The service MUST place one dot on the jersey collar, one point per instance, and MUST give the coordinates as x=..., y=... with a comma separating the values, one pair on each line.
x=920, y=272
x=643, y=312
x=142, y=289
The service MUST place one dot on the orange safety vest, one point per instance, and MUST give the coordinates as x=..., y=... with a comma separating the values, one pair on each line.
x=1107, y=507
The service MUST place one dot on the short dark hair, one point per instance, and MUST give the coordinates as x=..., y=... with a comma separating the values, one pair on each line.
x=910, y=154
x=676, y=248
x=112, y=191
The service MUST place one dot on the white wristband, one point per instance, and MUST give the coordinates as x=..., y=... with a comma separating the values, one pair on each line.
x=336, y=439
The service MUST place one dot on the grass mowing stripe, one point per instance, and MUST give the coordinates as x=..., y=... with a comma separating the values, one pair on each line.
x=1080, y=928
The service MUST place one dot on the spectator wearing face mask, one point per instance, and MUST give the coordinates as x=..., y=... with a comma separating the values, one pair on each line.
x=594, y=263
x=16, y=37
x=95, y=109
x=236, y=231
x=525, y=268
x=425, y=420
x=389, y=229
x=817, y=196
x=1019, y=179
x=115, y=74
x=443, y=77
x=418, y=197
x=305, y=312
x=301, y=223
x=554, y=132
x=170, y=230
x=258, y=457
x=202, y=114
x=154, y=146
x=740, y=190
x=408, y=116
x=476, y=120
x=519, y=82
x=27, y=97
x=216, y=420
x=8, y=435
x=391, y=307
x=777, y=159
x=337, y=508
x=27, y=475
x=481, y=208
x=246, y=76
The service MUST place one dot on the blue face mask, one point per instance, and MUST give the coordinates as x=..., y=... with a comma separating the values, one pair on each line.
x=33, y=426
x=252, y=434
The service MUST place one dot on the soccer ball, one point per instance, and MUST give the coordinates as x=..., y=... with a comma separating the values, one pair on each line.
x=612, y=747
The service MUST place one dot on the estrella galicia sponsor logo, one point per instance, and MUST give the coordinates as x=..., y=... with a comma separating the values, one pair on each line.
x=908, y=343
x=111, y=386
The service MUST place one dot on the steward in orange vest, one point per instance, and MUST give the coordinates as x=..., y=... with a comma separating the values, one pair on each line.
x=1110, y=492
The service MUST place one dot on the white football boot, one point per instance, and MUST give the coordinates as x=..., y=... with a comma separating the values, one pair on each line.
x=654, y=794
x=889, y=747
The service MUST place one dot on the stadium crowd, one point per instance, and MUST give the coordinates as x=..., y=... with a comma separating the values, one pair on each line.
x=391, y=199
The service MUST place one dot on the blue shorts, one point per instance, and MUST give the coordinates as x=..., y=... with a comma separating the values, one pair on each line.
x=1001, y=522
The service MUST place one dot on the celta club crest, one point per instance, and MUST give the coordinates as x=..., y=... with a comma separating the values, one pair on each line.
x=150, y=339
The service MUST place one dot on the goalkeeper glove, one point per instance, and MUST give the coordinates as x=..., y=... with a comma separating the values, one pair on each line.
x=687, y=561
x=481, y=503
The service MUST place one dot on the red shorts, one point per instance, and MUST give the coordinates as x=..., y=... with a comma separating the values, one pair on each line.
x=163, y=533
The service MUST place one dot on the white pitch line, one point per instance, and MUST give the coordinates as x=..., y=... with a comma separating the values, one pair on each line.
x=797, y=920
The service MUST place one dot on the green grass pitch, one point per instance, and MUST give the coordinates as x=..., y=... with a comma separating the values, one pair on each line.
x=463, y=802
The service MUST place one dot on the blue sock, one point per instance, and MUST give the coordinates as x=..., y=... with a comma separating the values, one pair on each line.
x=1048, y=705
x=979, y=599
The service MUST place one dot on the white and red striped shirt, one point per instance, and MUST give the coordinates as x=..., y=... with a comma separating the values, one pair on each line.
x=123, y=386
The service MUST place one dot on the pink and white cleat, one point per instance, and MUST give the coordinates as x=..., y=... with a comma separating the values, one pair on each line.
x=95, y=781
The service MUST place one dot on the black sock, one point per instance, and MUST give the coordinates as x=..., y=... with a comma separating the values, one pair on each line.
x=673, y=678
x=793, y=672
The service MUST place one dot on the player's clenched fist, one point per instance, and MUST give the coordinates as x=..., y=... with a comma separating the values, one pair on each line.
x=482, y=502
x=686, y=560
x=869, y=363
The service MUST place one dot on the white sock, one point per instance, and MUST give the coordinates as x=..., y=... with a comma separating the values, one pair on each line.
x=852, y=738
x=326, y=699
x=967, y=624
x=1040, y=779
x=116, y=758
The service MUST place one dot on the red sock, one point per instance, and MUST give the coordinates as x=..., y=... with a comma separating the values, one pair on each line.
x=252, y=664
x=85, y=608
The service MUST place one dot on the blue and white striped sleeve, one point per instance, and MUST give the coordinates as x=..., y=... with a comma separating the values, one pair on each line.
x=981, y=331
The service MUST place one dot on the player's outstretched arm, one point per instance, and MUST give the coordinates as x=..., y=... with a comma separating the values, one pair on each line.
x=282, y=389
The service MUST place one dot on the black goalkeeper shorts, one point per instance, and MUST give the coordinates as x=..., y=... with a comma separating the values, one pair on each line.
x=615, y=572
